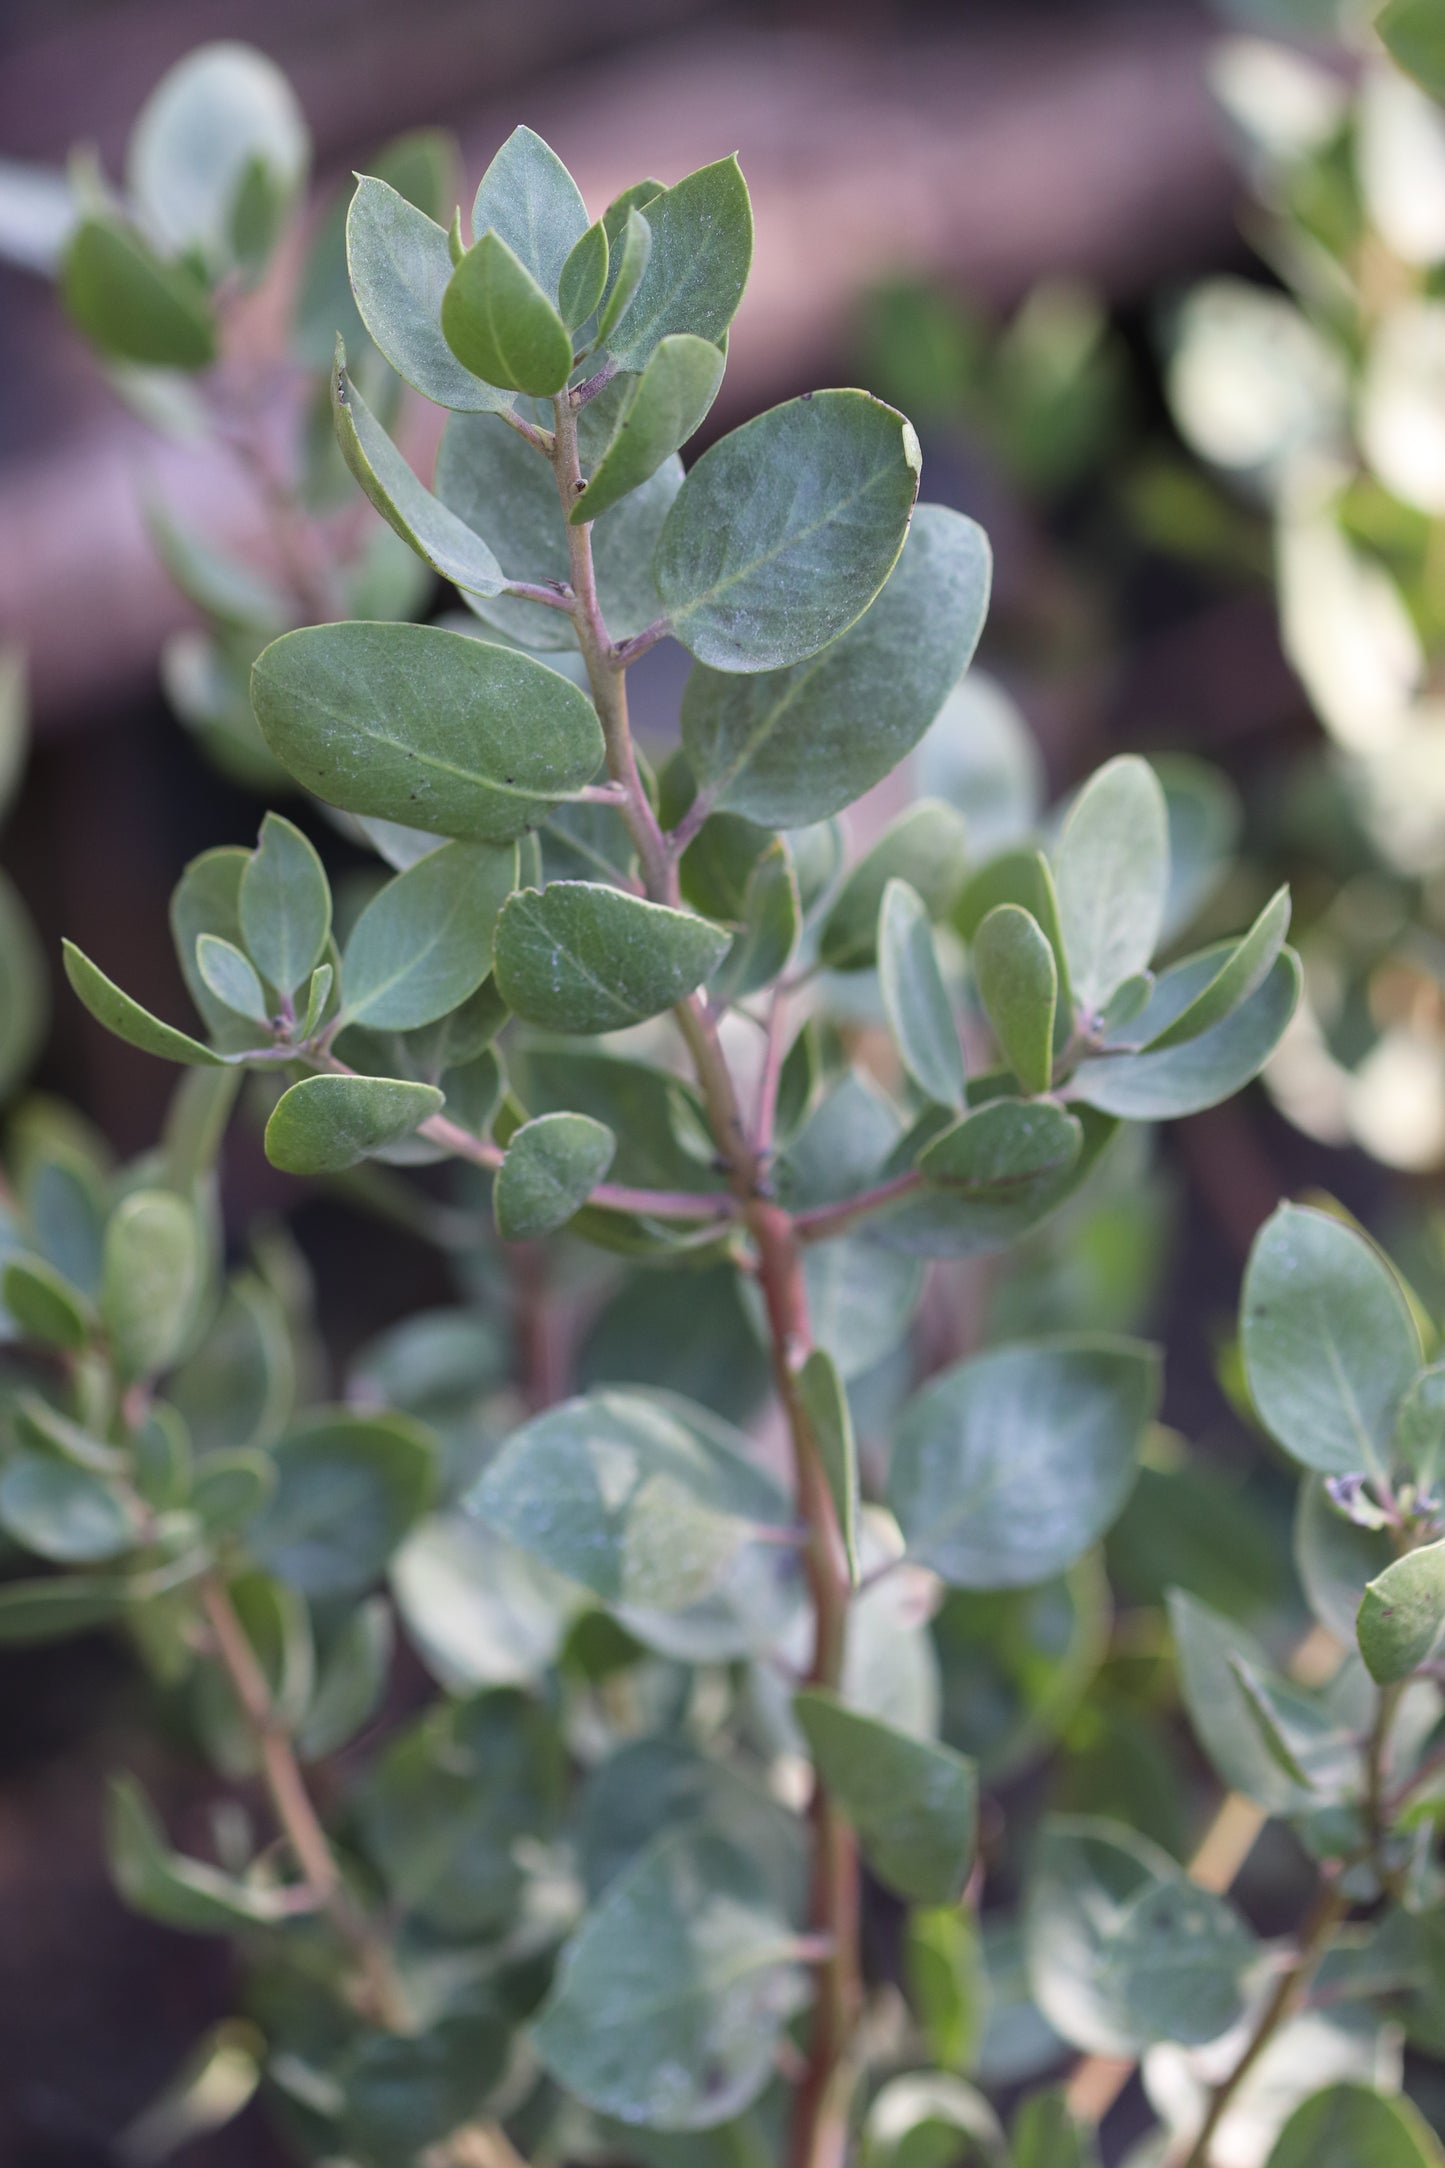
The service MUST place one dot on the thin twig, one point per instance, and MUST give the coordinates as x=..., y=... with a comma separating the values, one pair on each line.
x=824, y=1221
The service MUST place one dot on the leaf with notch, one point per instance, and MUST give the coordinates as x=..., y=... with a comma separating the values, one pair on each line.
x=413, y=723
x=285, y=905
x=785, y=531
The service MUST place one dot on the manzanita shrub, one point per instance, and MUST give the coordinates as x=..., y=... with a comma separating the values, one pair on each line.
x=713, y=1632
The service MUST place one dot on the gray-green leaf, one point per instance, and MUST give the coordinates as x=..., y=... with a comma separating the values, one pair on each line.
x=582, y=957
x=285, y=905
x=348, y=1487
x=1330, y=1347
x=1402, y=1614
x=824, y=1402
x=424, y=942
x=400, y=267
x=500, y=324
x=784, y=531
x=666, y=404
x=150, y=1279
x=924, y=847
x=63, y=1513
x=130, y=304
x=914, y=1803
x=1180, y=1080
x=915, y=998
x=695, y=269
x=1111, y=869
x=127, y=1019
x=552, y=1166
x=415, y=724
x=327, y=1123
x=1018, y=984
x=232, y=979
x=1005, y=1145
x=1008, y=1467
x=1243, y=970
x=529, y=198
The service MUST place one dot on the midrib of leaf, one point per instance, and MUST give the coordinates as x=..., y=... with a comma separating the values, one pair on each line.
x=346, y=721
x=439, y=934
x=789, y=541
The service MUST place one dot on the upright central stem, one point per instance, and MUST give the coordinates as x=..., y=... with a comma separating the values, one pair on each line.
x=820, y=2126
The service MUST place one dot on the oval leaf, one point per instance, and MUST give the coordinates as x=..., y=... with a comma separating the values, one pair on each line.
x=913, y=1802
x=500, y=325
x=127, y=1019
x=580, y=957
x=424, y=942
x=1402, y=1615
x=327, y=1123
x=348, y=1487
x=552, y=1166
x=667, y=403
x=400, y=267
x=1111, y=871
x=1018, y=984
x=694, y=267
x=915, y=999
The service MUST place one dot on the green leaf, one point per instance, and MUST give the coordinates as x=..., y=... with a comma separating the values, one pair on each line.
x=498, y=486
x=1420, y=1430
x=1402, y=1614
x=424, y=942
x=1185, y=1079
x=581, y=957
x=230, y=1489
x=949, y=1218
x=232, y=979
x=44, y=1305
x=1045, y=2135
x=784, y=531
x=446, y=1809
x=552, y=1166
x=423, y=167
x=127, y=1019
x=1414, y=35
x=638, y=1496
x=158, y=1882
x=51, y=1433
x=327, y=1123
x=583, y=279
x=1022, y=876
x=1335, y=1558
x=1123, y=1950
x=788, y=747
x=1008, y=1145
x=1243, y=971
x=824, y=1403
x=531, y=201
x=931, y=2119
x=151, y=1277
x=947, y=1985
x=131, y=305
x=670, y=2000
x=1330, y=1347
x=915, y=999
x=913, y=1803
x=664, y=407
x=695, y=269
x=285, y=905
x=1210, y=1652
x=400, y=267
x=439, y=538
x=238, y=1387
x=217, y=116
x=412, y=723
x=1008, y=1467
x=772, y=923
x=1018, y=984
x=348, y=1487
x=630, y=248
x=923, y=846
x=1111, y=870
x=662, y=1783
x=1351, y=2125
x=352, y=1681
x=62, y=1512
x=500, y=324
x=53, y=1610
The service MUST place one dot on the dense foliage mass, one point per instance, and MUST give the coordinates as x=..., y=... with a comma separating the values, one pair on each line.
x=742, y=1614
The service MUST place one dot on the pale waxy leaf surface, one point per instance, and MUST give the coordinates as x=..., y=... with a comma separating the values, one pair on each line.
x=442, y=540
x=792, y=746
x=325, y=1124
x=1123, y=1949
x=232, y=979
x=501, y=325
x=1402, y=1615
x=63, y=1513
x=130, y=304
x=415, y=724
x=924, y=847
x=580, y=957
x=1351, y=2125
x=694, y=268
x=1177, y=1080
x=913, y=1802
x=348, y=1488
x=670, y=1999
x=1006, y=1145
x=401, y=266
x=151, y=1274
x=1111, y=871
x=915, y=998
x=216, y=111
x=1018, y=984
x=424, y=942
x=667, y=403
x=127, y=1019
x=284, y=903
x=785, y=530
x=1330, y=1347
x=528, y=197
x=634, y=1494
x=824, y=1402
x=498, y=486
x=552, y=1166
x=1008, y=1467
x=1242, y=972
